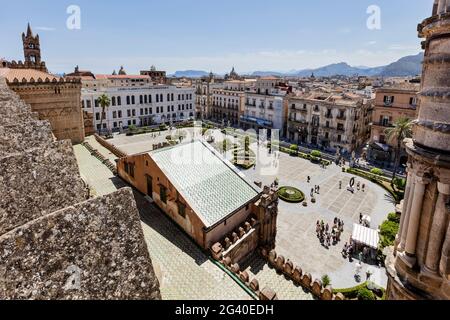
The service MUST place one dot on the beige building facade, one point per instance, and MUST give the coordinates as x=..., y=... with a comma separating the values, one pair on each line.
x=391, y=104
x=331, y=121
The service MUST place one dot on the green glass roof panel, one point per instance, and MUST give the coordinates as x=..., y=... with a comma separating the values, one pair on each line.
x=210, y=185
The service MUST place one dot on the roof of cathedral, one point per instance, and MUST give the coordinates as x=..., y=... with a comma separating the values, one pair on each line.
x=211, y=186
x=10, y=74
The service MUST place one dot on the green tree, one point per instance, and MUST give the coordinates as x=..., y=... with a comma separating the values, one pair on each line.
x=104, y=102
x=402, y=129
x=326, y=281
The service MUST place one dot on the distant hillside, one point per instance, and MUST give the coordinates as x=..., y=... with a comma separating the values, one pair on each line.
x=339, y=69
x=268, y=73
x=406, y=66
x=190, y=74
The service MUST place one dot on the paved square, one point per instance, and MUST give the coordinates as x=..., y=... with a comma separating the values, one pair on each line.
x=296, y=237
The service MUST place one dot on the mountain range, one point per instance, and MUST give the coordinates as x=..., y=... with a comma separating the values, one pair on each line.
x=406, y=66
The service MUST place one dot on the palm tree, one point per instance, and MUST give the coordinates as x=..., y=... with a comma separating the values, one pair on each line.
x=402, y=129
x=104, y=102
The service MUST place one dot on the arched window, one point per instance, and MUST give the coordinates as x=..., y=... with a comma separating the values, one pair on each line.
x=128, y=100
x=119, y=101
x=113, y=101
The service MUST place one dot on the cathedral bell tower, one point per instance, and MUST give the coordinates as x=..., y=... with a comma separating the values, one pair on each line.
x=31, y=47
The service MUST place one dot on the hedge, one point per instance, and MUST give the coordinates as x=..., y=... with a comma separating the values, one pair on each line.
x=296, y=197
x=352, y=293
x=389, y=230
x=376, y=171
x=381, y=181
x=305, y=156
x=365, y=294
x=316, y=154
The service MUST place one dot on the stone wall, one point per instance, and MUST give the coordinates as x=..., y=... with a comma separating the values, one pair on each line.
x=238, y=244
x=55, y=244
x=91, y=250
x=116, y=151
x=37, y=182
x=57, y=102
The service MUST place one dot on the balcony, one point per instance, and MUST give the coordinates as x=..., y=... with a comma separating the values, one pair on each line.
x=257, y=121
x=329, y=116
x=341, y=117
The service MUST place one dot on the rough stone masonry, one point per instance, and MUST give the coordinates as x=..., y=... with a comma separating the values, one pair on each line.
x=55, y=243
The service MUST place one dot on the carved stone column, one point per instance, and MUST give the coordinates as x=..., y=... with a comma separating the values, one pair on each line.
x=438, y=229
x=404, y=219
x=414, y=220
x=444, y=266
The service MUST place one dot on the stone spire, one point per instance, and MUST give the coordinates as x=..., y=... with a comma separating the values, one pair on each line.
x=420, y=267
x=29, y=31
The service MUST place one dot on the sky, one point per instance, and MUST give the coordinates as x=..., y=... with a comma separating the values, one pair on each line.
x=212, y=35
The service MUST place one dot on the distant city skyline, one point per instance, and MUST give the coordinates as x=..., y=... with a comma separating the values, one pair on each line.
x=197, y=35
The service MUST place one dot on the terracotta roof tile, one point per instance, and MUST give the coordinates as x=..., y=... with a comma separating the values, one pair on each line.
x=27, y=74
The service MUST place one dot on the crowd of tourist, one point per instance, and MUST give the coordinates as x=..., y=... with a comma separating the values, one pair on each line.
x=327, y=235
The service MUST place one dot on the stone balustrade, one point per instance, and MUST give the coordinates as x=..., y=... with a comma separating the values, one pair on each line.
x=116, y=151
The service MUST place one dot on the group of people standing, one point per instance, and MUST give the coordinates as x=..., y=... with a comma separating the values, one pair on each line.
x=330, y=235
x=316, y=188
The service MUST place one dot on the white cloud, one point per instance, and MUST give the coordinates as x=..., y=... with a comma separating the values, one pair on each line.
x=45, y=29
x=403, y=47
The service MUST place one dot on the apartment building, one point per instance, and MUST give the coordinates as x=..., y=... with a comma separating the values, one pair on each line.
x=391, y=104
x=135, y=100
x=266, y=106
x=332, y=121
x=204, y=96
x=228, y=102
